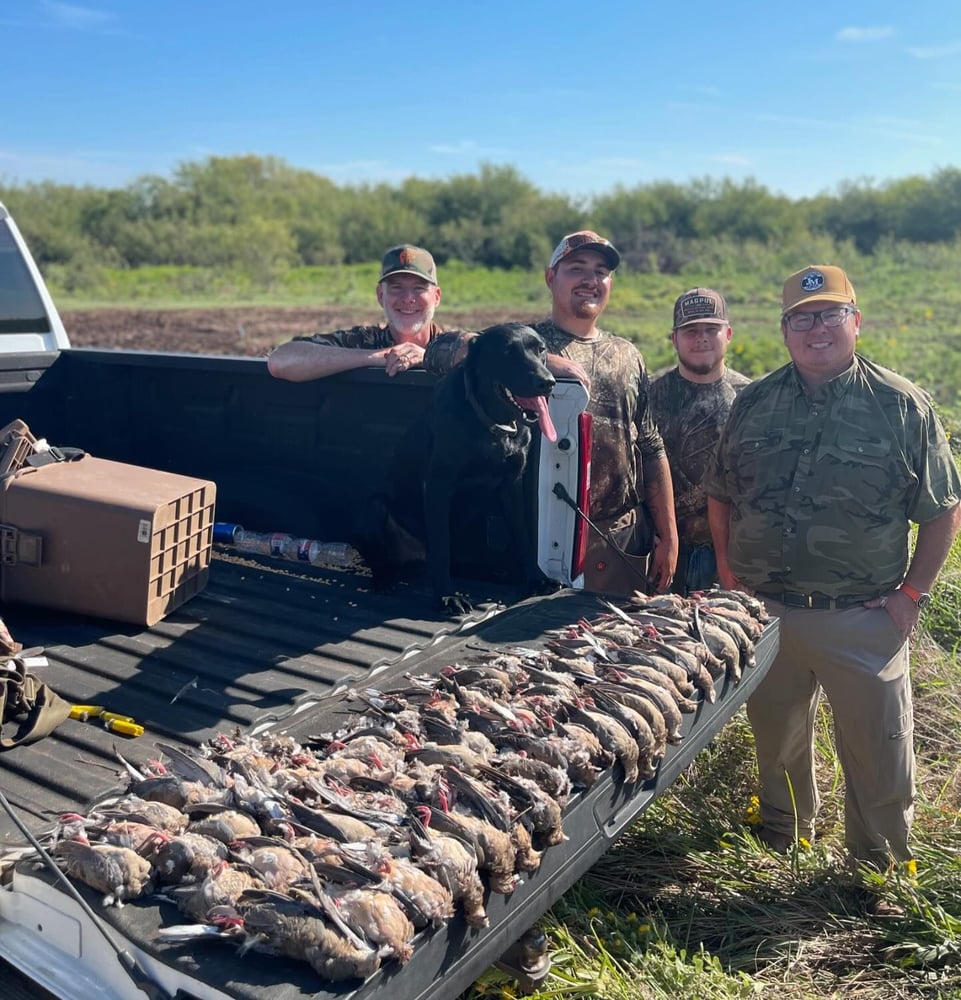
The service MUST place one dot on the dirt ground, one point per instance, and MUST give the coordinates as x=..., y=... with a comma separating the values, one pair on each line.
x=250, y=331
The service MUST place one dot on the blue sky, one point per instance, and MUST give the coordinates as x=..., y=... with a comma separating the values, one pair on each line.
x=579, y=96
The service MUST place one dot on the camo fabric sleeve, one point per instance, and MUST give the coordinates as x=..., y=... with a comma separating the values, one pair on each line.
x=822, y=487
x=371, y=338
x=447, y=350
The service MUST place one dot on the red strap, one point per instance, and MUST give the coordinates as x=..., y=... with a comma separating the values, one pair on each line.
x=915, y=595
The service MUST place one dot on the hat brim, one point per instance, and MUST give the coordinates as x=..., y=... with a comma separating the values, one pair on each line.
x=612, y=257
x=406, y=270
x=820, y=297
x=716, y=320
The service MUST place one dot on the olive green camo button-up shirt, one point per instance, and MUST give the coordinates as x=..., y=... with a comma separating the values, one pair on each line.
x=823, y=485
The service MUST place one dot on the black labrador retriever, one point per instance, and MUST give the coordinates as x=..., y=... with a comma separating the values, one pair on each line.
x=474, y=436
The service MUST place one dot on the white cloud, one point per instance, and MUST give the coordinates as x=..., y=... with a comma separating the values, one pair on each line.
x=68, y=15
x=848, y=126
x=467, y=147
x=732, y=159
x=935, y=51
x=864, y=34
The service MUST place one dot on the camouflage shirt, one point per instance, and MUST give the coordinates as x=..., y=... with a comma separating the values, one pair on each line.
x=370, y=338
x=624, y=429
x=690, y=416
x=823, y=485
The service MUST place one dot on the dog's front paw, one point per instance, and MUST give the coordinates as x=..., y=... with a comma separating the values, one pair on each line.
x=456, y=604
x=539, y=585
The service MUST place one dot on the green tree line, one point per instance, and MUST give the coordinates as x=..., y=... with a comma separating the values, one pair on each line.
x=261, y=215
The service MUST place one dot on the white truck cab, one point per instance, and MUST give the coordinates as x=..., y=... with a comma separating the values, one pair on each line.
x=29, y=321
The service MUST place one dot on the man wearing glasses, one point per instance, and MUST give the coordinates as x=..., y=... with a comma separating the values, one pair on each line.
x=819, y=472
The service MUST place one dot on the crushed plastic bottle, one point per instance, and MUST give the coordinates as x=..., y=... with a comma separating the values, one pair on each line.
x=263, y=543
x=284, y=546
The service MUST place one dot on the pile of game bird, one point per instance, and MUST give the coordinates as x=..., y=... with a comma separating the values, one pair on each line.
x=336, y=850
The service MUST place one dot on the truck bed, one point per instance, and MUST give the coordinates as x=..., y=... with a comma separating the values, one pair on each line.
x=258, y=648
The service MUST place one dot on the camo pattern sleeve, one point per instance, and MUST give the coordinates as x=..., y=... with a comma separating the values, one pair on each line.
x=370, y=338
x=690, y=416
x=447, y=350
x=822, y=487
x=624, y=430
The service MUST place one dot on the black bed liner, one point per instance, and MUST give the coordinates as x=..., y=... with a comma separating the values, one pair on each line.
x=274, y=654
x=258, y=644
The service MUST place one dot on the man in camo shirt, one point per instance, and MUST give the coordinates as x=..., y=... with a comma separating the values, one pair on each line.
x=408, y=292
x=819, y=472
x=628, y=464
x=691, y=403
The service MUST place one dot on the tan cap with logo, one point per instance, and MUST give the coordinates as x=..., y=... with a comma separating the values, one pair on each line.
x=816, y=282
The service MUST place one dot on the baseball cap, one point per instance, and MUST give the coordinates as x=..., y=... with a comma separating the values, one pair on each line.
x=816, y=282
x=585, y=239
x=700, y=305
x=411, y=259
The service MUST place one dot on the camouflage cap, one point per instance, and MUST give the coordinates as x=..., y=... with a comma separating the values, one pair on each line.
x=410, y=259
x=816, y=283
x=585, y=239
x=700, y=305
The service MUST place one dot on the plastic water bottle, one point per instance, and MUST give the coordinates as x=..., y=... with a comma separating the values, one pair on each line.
x=283, y=546
x=338, y=554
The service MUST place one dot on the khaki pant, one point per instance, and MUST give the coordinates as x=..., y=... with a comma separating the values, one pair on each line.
x=860, y=660
x=605, y=572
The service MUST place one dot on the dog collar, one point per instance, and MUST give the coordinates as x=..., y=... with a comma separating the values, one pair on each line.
x=494, y=428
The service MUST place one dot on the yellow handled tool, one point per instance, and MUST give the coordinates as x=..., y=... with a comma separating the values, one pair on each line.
x=115, y=717
x=126, y=727
x=84, y=712
x=112, y=721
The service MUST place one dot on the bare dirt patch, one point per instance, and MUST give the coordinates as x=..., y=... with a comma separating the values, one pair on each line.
x=252, y=331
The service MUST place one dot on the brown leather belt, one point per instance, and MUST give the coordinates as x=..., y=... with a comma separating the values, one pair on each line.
x=817, y=601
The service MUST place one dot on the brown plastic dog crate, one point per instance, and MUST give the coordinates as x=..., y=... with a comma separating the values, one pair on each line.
x=103, y=538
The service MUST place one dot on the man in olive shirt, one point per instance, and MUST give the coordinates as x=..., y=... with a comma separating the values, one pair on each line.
x=821, y=468
x=408, y=292
x=690, y=405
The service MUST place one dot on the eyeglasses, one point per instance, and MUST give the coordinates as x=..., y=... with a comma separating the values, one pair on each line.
x=835, y=316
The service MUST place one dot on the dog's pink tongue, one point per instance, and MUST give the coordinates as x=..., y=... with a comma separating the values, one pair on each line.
x=539, y=405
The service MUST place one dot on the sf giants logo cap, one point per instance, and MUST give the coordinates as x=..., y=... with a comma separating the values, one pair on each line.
x=700, y=305
x=410, y=259
x=816, y=282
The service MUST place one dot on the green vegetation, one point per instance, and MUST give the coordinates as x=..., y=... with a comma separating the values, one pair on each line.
x=687, y=904
x=261, y=216
x=909, y=294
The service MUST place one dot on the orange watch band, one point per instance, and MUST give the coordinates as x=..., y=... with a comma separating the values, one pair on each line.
x=914, y=594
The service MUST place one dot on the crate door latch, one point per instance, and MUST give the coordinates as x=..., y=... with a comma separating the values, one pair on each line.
x=19, y=548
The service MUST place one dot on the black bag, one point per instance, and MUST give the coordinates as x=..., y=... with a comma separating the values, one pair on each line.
x=28, y=703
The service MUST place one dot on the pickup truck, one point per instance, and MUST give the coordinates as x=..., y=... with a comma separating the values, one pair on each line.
x=269, y=646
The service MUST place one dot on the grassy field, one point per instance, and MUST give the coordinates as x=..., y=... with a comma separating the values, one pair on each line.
x=910, y=296
x=687, y=905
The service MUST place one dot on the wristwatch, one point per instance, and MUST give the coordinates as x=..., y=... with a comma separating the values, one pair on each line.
x=921, y=600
